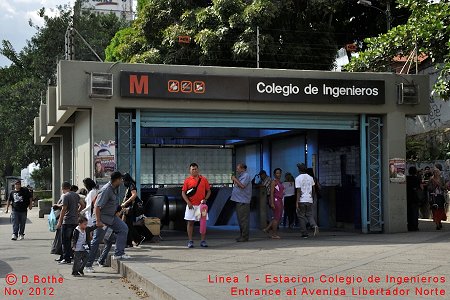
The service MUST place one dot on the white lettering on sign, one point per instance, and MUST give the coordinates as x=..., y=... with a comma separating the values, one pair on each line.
x=285, y=90
x=336, y=91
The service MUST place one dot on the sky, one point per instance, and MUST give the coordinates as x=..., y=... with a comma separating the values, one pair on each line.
x=14, y=17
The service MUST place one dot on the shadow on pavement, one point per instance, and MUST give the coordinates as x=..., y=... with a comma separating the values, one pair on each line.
x=5, y=268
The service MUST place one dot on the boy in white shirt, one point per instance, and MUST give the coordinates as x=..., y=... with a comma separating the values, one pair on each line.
x=304, y=185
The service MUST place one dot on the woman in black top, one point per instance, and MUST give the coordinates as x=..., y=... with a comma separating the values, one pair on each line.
x=134, y=238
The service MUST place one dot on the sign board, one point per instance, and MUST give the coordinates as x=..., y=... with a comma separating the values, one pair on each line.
x=397, y=170
x=301, y=90
x=104, y=161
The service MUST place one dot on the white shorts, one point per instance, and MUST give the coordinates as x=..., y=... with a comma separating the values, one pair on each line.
x=193, y=214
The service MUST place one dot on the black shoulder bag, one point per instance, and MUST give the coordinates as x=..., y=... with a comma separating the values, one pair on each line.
x=192, y=191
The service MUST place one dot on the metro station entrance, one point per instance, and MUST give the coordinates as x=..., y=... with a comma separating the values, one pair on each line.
x=170, y=141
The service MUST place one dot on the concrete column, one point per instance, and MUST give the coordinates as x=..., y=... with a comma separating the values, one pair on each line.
x=56, y=170
x=66, y=154
x=394, y=194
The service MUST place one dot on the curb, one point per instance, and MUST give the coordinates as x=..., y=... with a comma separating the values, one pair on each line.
x=156, y=284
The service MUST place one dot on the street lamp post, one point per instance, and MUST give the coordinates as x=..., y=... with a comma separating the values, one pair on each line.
x=387, y=12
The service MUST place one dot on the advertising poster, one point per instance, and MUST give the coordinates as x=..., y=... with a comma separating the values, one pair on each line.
x=104, y=161
x=397, y=168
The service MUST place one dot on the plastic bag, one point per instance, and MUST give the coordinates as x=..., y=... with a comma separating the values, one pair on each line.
x=52, y=222
x=203, y=216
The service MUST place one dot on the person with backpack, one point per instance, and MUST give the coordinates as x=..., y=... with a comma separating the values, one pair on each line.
x=196, y=190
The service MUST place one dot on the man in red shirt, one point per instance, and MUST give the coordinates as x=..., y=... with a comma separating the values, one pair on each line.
x=196, y=190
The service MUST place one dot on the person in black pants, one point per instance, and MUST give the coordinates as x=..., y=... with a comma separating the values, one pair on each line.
x=289, y=200
x=130, y=212
x=68, y=220
x=413, y=188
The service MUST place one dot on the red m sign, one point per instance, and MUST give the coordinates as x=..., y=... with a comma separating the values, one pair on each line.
x=139, y=84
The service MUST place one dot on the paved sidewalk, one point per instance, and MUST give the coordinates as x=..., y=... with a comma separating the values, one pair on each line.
x=168, y=270
x=31, y=257
x=349, y=256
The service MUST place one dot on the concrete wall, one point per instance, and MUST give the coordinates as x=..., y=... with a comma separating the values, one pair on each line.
x=82, y=147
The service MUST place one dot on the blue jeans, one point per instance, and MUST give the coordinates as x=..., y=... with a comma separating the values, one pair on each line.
x=99, y=233
x=19, y=219
x=66, y=235
x=121, y=230
x=106, y=249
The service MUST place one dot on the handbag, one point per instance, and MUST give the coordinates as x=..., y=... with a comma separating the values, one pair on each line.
x=192, y=191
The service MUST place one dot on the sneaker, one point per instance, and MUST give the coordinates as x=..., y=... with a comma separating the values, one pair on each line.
x=124, y=256
x=89, y=269
x=141, y=241
x=305, y=236
x=64, y=262
x=100, y=265
x=190, y=244
x=21, y=237
x=316, y=230
x=14, y=237
x=203, y=244
x=58, y=259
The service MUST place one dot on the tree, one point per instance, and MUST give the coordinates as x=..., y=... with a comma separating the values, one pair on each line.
x=428, y=26
x=23, y=85
x=42, y=178
x=296, y=34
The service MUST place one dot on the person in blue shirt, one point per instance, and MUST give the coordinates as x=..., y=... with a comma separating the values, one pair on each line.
x=242, y=195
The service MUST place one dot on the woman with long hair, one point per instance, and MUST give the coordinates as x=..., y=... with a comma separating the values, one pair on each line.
x=289, y=200
x=90, y=199
x=436, y=188
x=134, y=238
x=276, y=203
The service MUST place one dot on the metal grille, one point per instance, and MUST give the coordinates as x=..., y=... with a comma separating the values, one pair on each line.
x=374, y=166
x=125, y=142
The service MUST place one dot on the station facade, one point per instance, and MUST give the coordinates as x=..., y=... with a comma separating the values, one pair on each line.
x=154, y=120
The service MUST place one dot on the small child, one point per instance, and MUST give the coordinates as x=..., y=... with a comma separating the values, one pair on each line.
x=80, y=246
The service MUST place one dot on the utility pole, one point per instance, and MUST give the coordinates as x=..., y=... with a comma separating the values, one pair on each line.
x=388, y=15
x=257, y=47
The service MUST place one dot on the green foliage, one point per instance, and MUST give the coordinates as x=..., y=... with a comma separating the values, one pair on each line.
x=23, y=85
x=42, y=178
x=293, y=34
x=429, y=26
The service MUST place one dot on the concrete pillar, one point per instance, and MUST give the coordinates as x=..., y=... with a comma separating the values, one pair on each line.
x=66, y=154
x=56, y=170
x=394, y=194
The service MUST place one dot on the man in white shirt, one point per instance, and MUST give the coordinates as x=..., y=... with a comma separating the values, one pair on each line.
x=304, y=185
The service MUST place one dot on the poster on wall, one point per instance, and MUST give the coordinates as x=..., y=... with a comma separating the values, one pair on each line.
x=397, y=168
x=104, y=161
